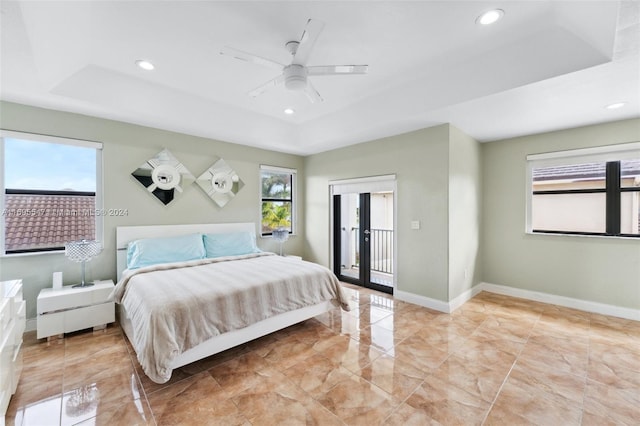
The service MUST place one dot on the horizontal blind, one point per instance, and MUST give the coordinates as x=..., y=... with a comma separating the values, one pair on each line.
x=360, y=185
x=33, y=137
x=602, y=154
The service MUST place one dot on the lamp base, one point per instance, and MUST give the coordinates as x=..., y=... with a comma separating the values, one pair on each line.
x=82, y=285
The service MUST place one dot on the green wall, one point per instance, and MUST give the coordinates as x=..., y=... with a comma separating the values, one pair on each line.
x=126, y=146
x=469, y=198
x=465, y=210
x=422, y=162
x=604, y=270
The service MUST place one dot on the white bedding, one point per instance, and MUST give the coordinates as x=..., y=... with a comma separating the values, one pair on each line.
x=174, y=307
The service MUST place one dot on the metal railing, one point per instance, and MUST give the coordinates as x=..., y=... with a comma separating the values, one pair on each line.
x=381, y=249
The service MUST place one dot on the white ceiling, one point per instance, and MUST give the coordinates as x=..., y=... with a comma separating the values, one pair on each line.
x=546, y=65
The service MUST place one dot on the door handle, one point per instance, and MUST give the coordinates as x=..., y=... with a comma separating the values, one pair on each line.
x=366, y=231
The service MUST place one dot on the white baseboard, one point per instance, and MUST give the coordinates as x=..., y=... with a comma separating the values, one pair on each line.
x=568, y=302
x=424, y=301
x=464, y=297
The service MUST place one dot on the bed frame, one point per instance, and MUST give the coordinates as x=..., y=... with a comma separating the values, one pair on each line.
x=125, y=234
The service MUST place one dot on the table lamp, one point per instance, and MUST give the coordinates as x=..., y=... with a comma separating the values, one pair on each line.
x=280, y=235
x=82, y=251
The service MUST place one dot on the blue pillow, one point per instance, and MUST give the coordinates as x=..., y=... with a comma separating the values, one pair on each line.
x=151, y=251
x=231, y=244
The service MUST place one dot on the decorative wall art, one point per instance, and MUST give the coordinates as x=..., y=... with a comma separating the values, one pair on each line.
x=220, y=182
x=164, y=176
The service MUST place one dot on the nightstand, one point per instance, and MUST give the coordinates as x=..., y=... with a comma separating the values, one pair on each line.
x=70, y=309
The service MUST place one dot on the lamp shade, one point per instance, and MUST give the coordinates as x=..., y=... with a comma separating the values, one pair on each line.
x=82, y=251
x=281, y=234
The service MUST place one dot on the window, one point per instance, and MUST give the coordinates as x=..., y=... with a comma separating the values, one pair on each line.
x=593, y=191
x=277, y=186
x=51, y=192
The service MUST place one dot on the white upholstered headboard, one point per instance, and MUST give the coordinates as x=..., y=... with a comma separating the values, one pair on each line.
x=126, y=234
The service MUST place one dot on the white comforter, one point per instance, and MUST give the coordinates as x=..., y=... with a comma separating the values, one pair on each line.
x=174, y=307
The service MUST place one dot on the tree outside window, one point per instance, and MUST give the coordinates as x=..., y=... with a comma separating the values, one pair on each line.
x=277, y=199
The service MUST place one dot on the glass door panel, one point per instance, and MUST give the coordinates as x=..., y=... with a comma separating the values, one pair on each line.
x=381, y=237
x=363, y=254
x=349, y=236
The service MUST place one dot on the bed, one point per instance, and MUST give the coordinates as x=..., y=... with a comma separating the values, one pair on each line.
x=177, y=312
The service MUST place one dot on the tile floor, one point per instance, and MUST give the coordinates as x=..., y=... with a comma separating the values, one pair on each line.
x=496, y=360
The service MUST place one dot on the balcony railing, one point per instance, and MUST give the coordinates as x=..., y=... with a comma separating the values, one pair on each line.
x=381, y=249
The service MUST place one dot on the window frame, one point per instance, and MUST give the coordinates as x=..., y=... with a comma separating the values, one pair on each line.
x=99, y=193
x=292, y=200
x=611, y=155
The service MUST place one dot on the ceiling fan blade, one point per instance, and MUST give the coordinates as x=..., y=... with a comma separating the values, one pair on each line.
x=312, y=93
x=268, y=85
x=337, y=69
x=249, y=57
x=307, y=41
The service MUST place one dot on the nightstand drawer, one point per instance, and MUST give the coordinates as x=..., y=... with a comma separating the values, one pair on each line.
x=75, y=319
x=50, y=324
x=91, y=316
x=51, y=300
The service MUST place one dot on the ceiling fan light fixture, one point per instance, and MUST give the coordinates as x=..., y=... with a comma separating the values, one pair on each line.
x=292, y=46
x=295, y=77
x=616, y=105
x=490, y=17
x=295, y=83
x=145, y=65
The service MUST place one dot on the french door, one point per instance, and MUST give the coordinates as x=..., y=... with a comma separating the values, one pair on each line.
x=362, y=253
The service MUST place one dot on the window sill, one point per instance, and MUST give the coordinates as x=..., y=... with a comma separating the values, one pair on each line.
x=37, y=253
x=563, y=234
x=271, y=236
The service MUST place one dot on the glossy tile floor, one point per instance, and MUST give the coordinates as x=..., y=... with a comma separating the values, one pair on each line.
x=496, y=360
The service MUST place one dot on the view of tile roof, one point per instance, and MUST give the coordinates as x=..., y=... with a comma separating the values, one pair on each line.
x=37, y=221
x=584, y=171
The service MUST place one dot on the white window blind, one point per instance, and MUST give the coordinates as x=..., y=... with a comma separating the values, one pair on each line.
x=384, y=183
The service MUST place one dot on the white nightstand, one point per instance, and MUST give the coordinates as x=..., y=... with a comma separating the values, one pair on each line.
x=70, y=309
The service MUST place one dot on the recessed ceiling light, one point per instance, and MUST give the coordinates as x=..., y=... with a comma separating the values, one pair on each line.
x=145, y=65
x=490, y=17
x=616, y=105
x=289, y=111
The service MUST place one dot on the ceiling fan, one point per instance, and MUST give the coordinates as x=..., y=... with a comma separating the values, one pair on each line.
x=294, y=76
